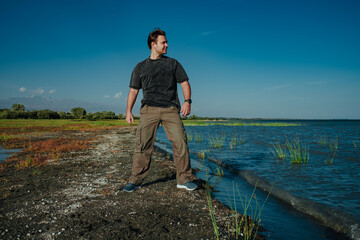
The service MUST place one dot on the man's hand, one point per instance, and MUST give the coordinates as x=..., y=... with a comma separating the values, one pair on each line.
x=185, y=109
x=129, y=118
x=130, y=103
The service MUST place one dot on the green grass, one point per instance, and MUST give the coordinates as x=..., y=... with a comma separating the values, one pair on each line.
x=278, y=150
x=298, y=153
x=238, y=123
x=211, y=210
x=321, y=139
x=217, y=141
x=246, y=224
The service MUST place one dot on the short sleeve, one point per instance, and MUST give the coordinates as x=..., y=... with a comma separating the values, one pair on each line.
x=135, y=81
x=180, y=73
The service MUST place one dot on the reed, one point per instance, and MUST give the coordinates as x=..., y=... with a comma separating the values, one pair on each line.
x=236, y=140
x=189, y=136
x=211, y=210
x=278, y=150
x=198, y=137
x=355, y=144
x=245, y=225
x=217, y=141
x=322, y=140
x=334, y=144
x=298, y=153
x=201, y=154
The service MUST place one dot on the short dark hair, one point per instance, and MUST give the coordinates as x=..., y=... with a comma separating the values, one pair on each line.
x=154, y=35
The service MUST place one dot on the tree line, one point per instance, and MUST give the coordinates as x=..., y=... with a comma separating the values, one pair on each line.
x=18, y=111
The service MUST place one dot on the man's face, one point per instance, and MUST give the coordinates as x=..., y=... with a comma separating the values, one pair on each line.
x=160, y=45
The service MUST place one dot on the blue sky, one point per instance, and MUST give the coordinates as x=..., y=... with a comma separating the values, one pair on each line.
x=251, y=59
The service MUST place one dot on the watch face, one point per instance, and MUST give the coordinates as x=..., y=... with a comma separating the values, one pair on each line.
x=188, y=100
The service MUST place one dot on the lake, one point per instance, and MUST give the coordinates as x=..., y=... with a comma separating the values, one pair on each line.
x=308, y=200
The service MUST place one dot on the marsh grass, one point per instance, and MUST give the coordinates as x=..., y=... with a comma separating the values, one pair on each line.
x=237, y=123
x=333, y=146
x=278, y=150
x=202, y=154
x=217, y=141
x=236, y=140
x=321, y=139
x=298, y=153
x=211, y=210
x=198, y=137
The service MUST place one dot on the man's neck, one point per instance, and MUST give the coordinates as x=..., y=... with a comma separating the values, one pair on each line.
x=154, y=55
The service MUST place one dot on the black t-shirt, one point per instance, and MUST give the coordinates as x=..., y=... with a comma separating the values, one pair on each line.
x=158, y=79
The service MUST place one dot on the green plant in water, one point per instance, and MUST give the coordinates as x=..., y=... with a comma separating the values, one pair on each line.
x=211, y=210
x=219, y=173
x=246, y=225
x=278, y=150
x=189, y=136
x=202, y=154
x=217, y=141
x=321, y=139
x=198, y=137
x=298, y=153
x=333, y=146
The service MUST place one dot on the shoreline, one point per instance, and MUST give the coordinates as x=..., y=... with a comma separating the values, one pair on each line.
x=79, y=197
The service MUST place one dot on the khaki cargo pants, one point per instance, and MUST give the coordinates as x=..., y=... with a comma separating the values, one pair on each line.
x=150, y=119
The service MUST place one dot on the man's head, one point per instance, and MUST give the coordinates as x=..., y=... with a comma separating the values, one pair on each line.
x=157, y=41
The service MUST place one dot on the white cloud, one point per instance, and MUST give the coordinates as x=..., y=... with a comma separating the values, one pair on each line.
x=52, y=91
x=106, y=96
x=118, y=95
x=22, y=89
x=38, y=91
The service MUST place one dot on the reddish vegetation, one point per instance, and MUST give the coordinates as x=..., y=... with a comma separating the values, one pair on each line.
x=37, y=152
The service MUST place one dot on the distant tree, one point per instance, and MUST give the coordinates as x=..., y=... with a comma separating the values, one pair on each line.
x=78, y=112
x=18, y=107
x=89, y=116
x=47, y=114
x=121, y=116
x=108, y=115
x=4, y=114
x=193, y=117
x=64, y=115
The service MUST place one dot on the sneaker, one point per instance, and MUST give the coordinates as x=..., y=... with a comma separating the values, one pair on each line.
x=188, y=186
x=130, y=187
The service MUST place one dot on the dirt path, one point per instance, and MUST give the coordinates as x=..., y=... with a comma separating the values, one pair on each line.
x=79, y=197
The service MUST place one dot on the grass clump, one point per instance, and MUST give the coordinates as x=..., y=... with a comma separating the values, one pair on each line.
x=333, y=146
x=217, y=141
x=211, y=210
x=278, y=150
x=202, y=154
x=298, y=153
x=322, y=140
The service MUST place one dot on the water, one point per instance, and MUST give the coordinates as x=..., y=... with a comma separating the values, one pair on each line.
x=308, y=199
x=5, y=153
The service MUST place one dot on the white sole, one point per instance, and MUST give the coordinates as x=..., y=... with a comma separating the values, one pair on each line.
x=184, y=187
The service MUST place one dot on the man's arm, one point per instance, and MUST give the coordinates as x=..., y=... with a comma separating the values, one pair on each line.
x=130, y=103
x=186, y=107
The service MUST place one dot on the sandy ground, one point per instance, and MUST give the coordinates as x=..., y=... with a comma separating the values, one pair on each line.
x=80, y=197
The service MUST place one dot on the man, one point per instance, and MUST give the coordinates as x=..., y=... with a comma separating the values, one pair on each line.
x=158, y=76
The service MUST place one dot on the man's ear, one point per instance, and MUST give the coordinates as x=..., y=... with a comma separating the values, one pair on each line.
x=153, y=44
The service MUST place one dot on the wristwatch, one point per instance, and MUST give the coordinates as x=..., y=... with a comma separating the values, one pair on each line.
x=188, y=101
